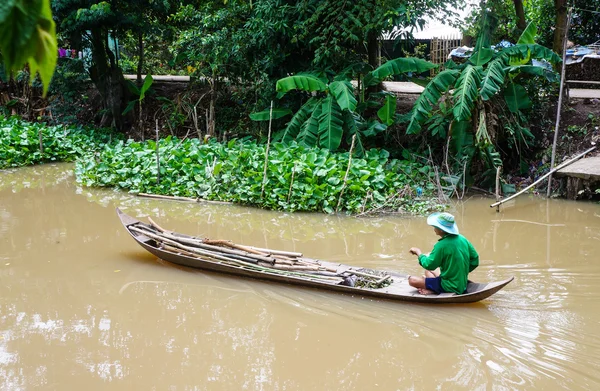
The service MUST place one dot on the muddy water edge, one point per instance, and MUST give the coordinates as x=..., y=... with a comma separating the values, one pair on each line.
x=82, y=306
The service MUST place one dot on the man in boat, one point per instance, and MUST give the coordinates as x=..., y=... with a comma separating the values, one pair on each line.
x=453, y=254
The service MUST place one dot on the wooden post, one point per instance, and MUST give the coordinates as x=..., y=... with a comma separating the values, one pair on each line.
x=264, y=181
x=498, y=187
x=157, y=157
x=560, y=98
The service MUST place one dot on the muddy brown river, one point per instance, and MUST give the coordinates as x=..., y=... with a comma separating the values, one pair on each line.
x=83, y=307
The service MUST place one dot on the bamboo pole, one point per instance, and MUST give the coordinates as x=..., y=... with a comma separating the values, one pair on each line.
x=264, y=181
x=198, y=243
x=383, y=279
x=544, y=177
x=347, y=172
x=233, y=245
x=203, y=254
x=560, y=98
x=277, y=252
x=178, y=198
x=362, y=274
x=166, y=197
x=41, y=141
x=184, y=247
x=498, y=187
x=291, y=183
x=158, y=227
x=157, y=157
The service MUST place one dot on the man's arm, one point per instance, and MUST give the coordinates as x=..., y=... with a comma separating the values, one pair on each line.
x=473, y=258
x=431, y=261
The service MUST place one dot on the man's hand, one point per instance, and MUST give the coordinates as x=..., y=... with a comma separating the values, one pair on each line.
x=415, y=250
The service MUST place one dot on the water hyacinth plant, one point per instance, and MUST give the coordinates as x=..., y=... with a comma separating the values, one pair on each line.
x=24, y=143
x=299, y=178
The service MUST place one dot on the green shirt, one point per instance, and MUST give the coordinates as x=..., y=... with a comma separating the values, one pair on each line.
x=456, y=257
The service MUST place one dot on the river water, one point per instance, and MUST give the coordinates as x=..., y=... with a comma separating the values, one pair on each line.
x=82, y=306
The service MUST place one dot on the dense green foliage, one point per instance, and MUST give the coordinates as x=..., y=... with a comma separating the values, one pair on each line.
x=334, y=111
x=20, y=142
x=488, y=85
x=95, y=26
x=298, y=178
x=28, y=36
x=584, y=30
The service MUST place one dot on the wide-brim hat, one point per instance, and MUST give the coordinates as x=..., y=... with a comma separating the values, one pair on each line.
x=444, y=221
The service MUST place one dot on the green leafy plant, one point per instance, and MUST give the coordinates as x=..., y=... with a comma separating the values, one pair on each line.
x=476, y=91
x=140, y=93
x=334, y=110
x=20, y=142
x=298, y=178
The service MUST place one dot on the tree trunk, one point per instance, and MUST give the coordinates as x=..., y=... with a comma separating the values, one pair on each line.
x=211, y=113
x=560, y=25
x=521, y=23
x=373, y=49
x=107, y=78
x=140, y=58
x=374, y=58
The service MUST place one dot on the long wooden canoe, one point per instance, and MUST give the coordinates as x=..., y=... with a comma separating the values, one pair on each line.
x=334, y=276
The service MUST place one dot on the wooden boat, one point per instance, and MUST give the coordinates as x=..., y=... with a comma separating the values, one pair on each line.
x=288, y=267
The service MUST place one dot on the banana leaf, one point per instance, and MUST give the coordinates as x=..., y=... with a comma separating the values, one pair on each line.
x=302, y=115
x=481, y=56
x=351, y=123
x=309, y=133
x=438, y=86
x=516, y=97
x=265, y=115
x=146, y=86
x=396, y=67
x=466, y=92
x=519, y=53
x=330, y=124
x=387, y=113
x=493, y=79
x=549, y=74
x=460, y=137
x=528, y=35
x=344, y=94
x=302, y=83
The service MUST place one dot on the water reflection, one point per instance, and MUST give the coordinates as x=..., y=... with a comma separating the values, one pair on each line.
x=81, y=306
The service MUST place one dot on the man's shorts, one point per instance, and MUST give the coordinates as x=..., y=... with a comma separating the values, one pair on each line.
x=434, y=284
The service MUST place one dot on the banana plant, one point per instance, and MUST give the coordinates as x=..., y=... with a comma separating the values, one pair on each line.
x=140, y=94
x=489, y=76
x=333, y=112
